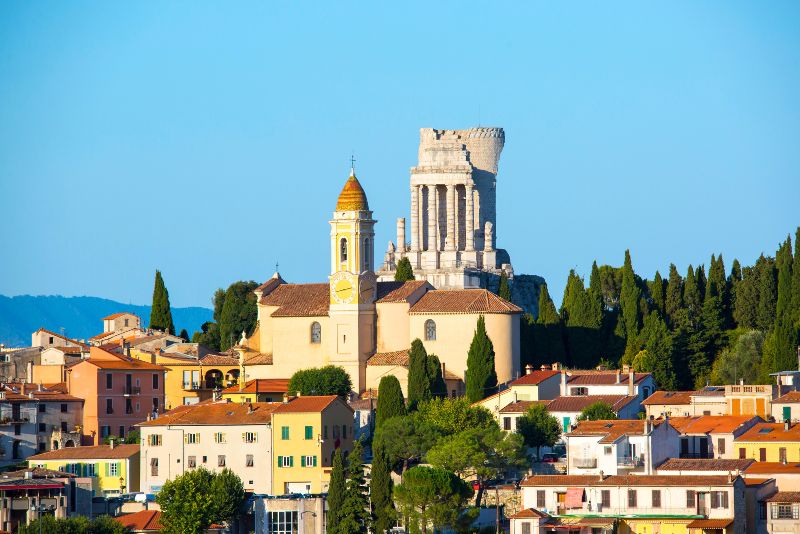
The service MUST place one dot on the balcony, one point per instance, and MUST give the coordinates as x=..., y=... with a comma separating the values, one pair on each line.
x=584, y=463
x=131, y=390
x=629, y=462
x=189, y=386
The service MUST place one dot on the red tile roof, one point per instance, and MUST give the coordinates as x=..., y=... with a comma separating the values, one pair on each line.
x=785, y=496
x=610, y=430
x=306, y=404
x=709, y=424
x=70, y=340
x=398, y=357
x=665, y=480
x=789, y=398
x=144, y=520
x=299, y=300
x=773, y=468
x=115, y=315
x=581, y=377
x=577, y=403
x=258, y=358
x=771, y=432
x=97, y=452
x=521, y=406
x=706, y=464
x=261, y=385
x=710, y=523
x=398, y=291
x=268, y=286
x=463, y=301
x=218, y=359
x=669, y=398
x=533, y=378
x=217, y=413
x=123, y=363
x=561, y=480
x=529, y=513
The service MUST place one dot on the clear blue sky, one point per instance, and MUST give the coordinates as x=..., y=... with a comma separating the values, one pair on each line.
x=211, y=139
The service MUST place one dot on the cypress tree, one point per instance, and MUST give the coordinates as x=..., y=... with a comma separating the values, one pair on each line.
x=785, y=327
x=796, y=278
x=595, y=283
x=767, y=293
x=734, y=279
x=547, y=309
x=692, y=299
x=657, y=341
x=630, y=304
x=438, y=385
x=354, y=516
x=390, y=400
x=547, y=333
x=160, y=313
x=505, y=290
x=583, y=316
x=673, y=300
x=745, y=309
x=419, y=383
x=481, y=376
x=336, y=491
x=380, y=488
x=701, y=281
x=184, y=335
x=657, y=294
x=403, y=272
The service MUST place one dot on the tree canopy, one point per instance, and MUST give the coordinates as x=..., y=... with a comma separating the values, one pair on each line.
x=598, y=411
x=538, y=428
x=430, y=498
x=390, y=400
x=481, y=377
x=239, y=313
x=403, y=272
x=328, y=380
x=160, y=312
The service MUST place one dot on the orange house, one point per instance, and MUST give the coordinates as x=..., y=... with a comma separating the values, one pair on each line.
x=118, y=393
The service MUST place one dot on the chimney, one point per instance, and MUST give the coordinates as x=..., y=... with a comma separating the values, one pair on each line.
x=730, y=477
x=299, y=393
x=787, y=425
x=40, y=387
x=249, y=408
x=286, y=398
x=545, y=367
x=515, y=395
x=630, y=382
x=602, y=476
x=444, y=369
x=111, y=443
x=563, y=383
x=619, y=376
x=28, y=474
x=529, y=369
x=30, y=394
x=556, y=366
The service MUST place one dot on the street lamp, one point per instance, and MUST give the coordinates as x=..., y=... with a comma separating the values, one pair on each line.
x=41, y=508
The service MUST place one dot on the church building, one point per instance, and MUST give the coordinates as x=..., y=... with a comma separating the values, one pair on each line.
x=366, y=326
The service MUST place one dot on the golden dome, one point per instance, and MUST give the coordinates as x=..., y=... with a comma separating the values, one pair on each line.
x=352, y=197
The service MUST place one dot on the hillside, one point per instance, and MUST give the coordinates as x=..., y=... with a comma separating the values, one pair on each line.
x=78, y=316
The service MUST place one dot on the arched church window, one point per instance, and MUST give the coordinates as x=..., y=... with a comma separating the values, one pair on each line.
x=430, y=330
x=365, y=254
x=316, y=332
x=343, y=249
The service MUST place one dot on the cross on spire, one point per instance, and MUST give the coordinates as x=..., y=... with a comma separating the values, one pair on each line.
x=352, y=165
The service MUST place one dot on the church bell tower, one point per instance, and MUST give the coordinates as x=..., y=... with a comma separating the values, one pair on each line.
x=352, y=282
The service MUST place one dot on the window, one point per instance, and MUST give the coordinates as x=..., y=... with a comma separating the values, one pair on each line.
x=316, y=332
x=64, y=408
x=365, y=255
x=284, y=432
x=248, y=461
x=249, y=437
x=343, y=250
x=645, y=392
x=580, y=391
x=126, y=323
x=526, y=527
x=51, y=340
x=221, y=460
x=762, y=455
x=656, y=498
x=309, y=432
x=540, y=502
x=192, y=438
x=308, y=461
x=506, y=423
x=205, y=459
x=691, y=500
x=113, y=468
x=785, y=510
x=42, y=427
x=42, y=408
x=90, y=471
x=155, y=382
x=742, y=453
x=155, y=404
x=109, y=381
x=720, y=446
x=154, y=467
x=105, y=431
x=607, y=450
x=109, y=406
x=285, y=461
x=121, y=431
x=63, y=426
x=154, y=440
x=782, y=455
x=631, y=498
x=719, y=499
x=762, y=510
x=128, y=406
x=219, y=437
x=430, y=330
x=605, y=498
x=191, y=461
x=284, y=522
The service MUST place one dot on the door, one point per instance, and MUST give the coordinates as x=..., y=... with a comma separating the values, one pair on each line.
x=736, y=406
x=762, y=454
x=787, y=413
x=703, y=447
x=761, y=409
x=561, y=500
x=684, y=447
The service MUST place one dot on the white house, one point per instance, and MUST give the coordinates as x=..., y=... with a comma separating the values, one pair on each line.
x=711, y=436
x=567, y=409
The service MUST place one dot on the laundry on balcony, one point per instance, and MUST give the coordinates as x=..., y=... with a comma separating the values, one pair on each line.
x=574, y=498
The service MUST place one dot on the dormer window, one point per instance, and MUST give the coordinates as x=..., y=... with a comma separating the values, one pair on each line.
x=343, y=250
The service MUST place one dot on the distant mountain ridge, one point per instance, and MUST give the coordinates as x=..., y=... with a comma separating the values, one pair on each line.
x=80, y=317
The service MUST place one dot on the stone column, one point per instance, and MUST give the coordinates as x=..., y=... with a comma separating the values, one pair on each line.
x=414, y=219
x=433, y=241
x=488, y=237
x=401, y=234
x=469, y=220
x=450, y=242
x=420, y=218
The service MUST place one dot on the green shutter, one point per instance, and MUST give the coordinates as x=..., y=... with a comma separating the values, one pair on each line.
x=787, y=413
x=302, y=461
x=280, y=461
x=315, y=461
x=566, y=425
x=309, y=432
x=107, y=473
x=285, y=432
x=291, y=461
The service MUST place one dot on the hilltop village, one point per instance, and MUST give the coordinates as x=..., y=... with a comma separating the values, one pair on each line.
x=438, y=391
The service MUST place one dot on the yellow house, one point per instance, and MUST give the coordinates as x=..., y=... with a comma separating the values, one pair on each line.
x=770, y=442
x=306, y=432
x=191, y=379
x=114, y=469
x=257, y=390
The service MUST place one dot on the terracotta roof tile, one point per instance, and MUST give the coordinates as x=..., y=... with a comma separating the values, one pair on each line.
x=97, y=452
x=299, y=300
x=398, y=357
x=465, y=301
x=710, y=523
x=267, y=287
x=121, y=362
x=560, y=480
x=785, y=496
x=218, y=359
x=791, y=397
x=577, y=403
x=756, y=481
x=115, y=315
x=521, y=406
x=581, y=377
x=771, y=432
x=258, y=358
x=709, y=424
x=306, y=404
x=707, y=464
x=669, y=398
x=533, y=378
x=217, y=413
x=398, y=291
x=102, y=335
x=773, y=468
x=665, y=480
x=529, y=513
x=261, y=385
x=610, y=430
x=141, y=521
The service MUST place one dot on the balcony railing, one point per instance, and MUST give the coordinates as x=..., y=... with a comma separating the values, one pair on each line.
x=191, y=385
x=629, y=461
x=131, y=390
x=585, y=463
x=748, y=389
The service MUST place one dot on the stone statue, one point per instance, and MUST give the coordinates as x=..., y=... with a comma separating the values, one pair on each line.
x=488, y=236
x=243, y=340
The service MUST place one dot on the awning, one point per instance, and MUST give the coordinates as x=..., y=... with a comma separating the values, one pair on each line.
x=710, y=523
x=574, y=498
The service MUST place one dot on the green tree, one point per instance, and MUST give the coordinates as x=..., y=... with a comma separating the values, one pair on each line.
x=380, y=489
x=184, y=335
x=354, y=513
x=543, y=340
x=734, y=281
x=505, y=290
x=692, y=298
x=657, y=341
x=419, y=382
x=187, y=505
x=538, y=428
x=73, y=525
x=630, y=304
x=767, y=293
x=390, y=400
x=227, y=493
x=582, y=314
x=405, y=440
x=239, y=313
x=404, y=272
x=481, y=377
x=598, y=411
x=796, y=277
x=674, y=296
x=745, y=310
x=336, y=492
x=431, y=498
x=740, y=362
x=657, y=294
x=438, y=386
x=786, y=337
x=328, y=380
x=160, y=312
x=449, y=416
x=209, y=337
x=218, y=301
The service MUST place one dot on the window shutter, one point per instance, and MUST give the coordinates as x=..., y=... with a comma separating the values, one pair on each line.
x=244, y=436
x=315, y=461
x=107, y=470
x=714, y=499
x=291, y=461
x=186, y=438
x=280, y=461
x=302, y=461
